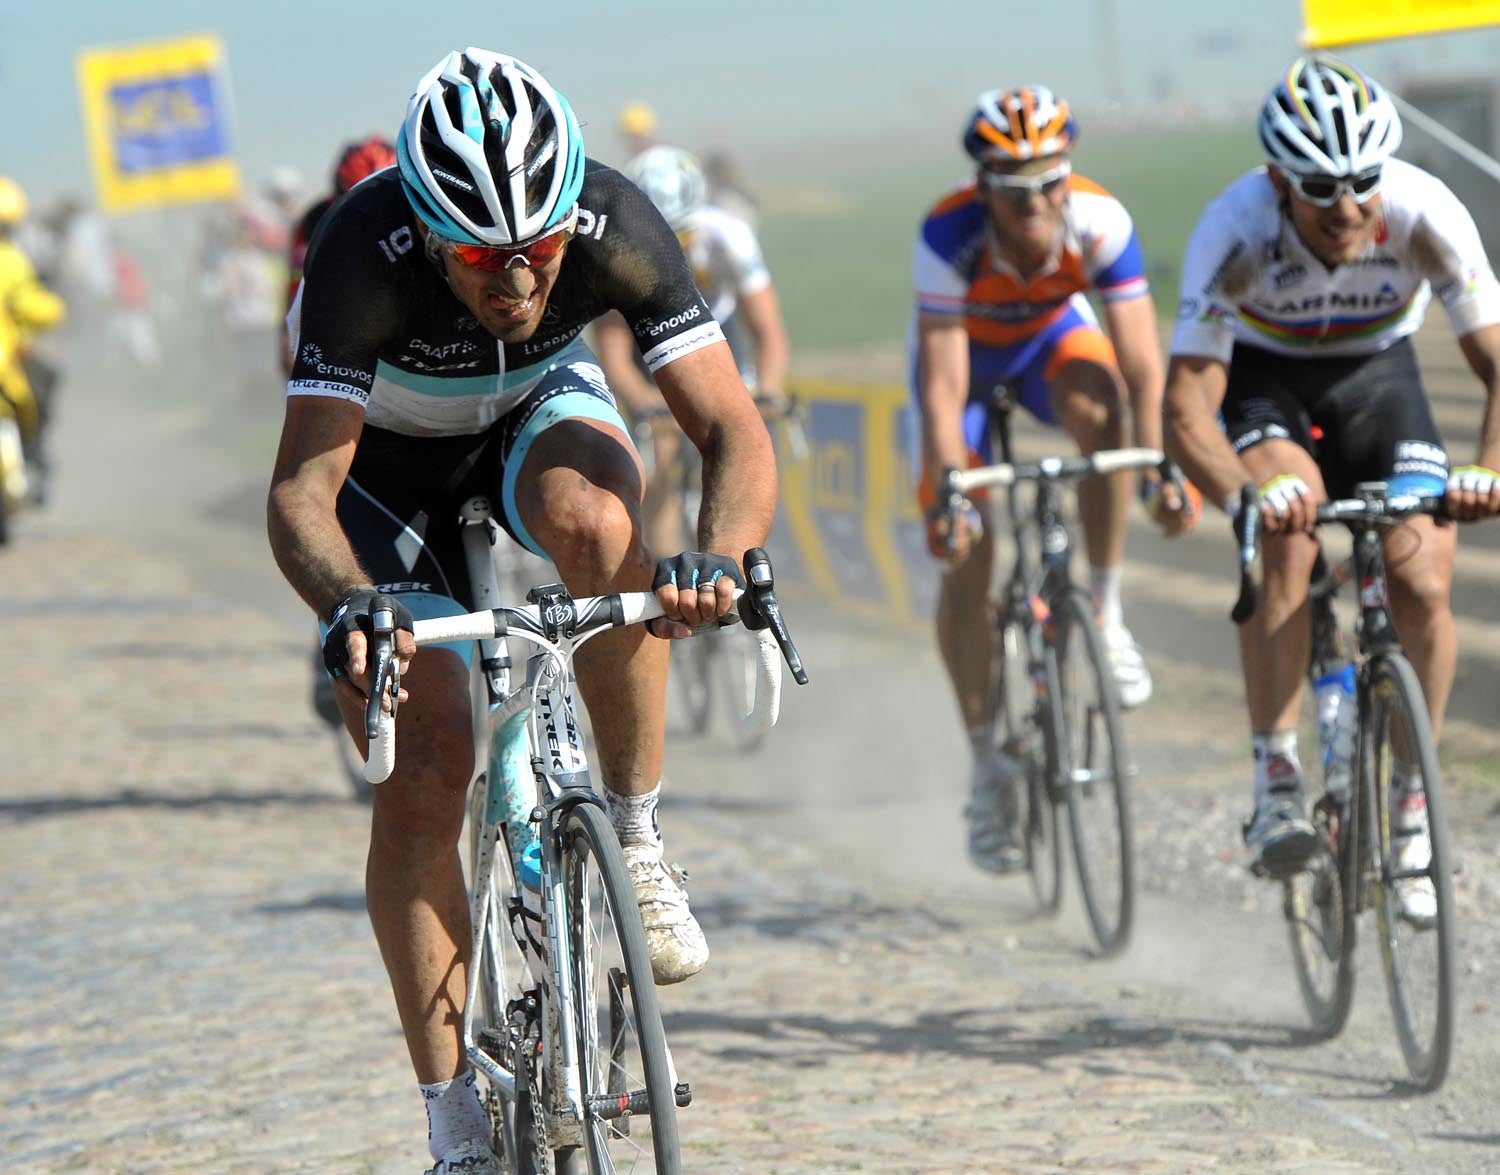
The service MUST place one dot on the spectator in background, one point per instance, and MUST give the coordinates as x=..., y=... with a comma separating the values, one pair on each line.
x=131, y=323
x=358, y=159
x=247, y=285
x=637, y=126
x=26, y=307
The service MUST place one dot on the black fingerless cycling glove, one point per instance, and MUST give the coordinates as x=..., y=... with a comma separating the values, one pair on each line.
x=350, y=614
x=691, y=569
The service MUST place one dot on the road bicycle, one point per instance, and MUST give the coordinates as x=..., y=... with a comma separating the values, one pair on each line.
x=561, y=1014
x=1353, y=867
x=1056, y=705
x=714, y=671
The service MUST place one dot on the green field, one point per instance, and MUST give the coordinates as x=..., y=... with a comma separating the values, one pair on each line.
x=839, y=244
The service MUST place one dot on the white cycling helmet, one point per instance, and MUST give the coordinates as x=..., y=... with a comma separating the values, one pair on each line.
x=489, y=154
x=1327, y=118
x=673, y=180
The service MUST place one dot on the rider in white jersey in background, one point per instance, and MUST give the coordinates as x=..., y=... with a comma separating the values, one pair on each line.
x=1300, y=287
x=731, y=273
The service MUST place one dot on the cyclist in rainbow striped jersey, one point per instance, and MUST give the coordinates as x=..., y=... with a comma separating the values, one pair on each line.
x=1301, y=287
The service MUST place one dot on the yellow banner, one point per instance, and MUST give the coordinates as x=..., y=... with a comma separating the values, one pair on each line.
x=1328, y=23
x=158, y=123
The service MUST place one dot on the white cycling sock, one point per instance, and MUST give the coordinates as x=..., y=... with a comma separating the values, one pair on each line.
x=1104, y=588
x=1266, y=745
x=454, y=1114
x=634, y=817
x=982, y=740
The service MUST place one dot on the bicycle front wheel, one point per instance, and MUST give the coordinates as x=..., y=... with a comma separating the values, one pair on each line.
x=630, y=1103
x=1413, y=897
x=1094, y=771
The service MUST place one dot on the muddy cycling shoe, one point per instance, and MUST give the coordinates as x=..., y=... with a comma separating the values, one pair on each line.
x=1411, y=850
x=1127, y=665
x=673, y=937
x=1279, y=835
x=993, y=814
x=468, y=1158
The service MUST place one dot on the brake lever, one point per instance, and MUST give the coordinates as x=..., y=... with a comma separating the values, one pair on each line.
x=383, y=663
x=760, y=609
x=1247, y=532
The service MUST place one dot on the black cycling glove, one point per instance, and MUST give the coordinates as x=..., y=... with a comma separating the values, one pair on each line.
x=691, y=569
x=351, y=613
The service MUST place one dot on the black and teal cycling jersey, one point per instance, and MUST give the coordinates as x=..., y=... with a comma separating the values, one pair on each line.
x=376, y=324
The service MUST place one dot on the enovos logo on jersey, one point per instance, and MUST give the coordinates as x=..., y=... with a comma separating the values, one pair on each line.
x=687, y=316
x=311, y=356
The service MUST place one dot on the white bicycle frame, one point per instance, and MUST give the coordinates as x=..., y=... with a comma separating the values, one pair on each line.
x=537, y=715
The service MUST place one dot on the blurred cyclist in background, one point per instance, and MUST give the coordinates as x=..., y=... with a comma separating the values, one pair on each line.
x=1001, y=267
x=1301, y=287
x=358, y=159
x=732, y=276
x=26, y=306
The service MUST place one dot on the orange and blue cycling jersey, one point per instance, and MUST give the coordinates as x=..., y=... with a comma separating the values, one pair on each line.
x=1023, y=329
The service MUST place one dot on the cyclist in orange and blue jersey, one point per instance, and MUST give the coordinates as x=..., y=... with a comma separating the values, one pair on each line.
x=1002, y=268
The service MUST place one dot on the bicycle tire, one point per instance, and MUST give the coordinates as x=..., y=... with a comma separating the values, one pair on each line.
x=1397, y=715
x=1016, y=729
x=1086, y=708
x=737, y=665
x=622, y=1047
x=1320, y=924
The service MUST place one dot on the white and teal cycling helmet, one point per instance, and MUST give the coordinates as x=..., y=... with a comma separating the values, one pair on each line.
x=1327, y=118
x=490, y=153
x=674, y=181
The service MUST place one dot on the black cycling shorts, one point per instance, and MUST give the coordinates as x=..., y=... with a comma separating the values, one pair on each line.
x=1362, y=417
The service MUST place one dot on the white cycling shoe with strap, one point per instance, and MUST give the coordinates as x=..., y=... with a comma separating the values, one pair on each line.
x=1127, y=664
x=673, y=937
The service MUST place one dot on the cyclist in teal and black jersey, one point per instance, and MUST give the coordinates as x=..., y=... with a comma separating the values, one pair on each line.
x=438, y=353
x=1301, y=287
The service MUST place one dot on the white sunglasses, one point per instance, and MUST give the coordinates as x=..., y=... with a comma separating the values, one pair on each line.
x=1324, y=191
x=1042, y=183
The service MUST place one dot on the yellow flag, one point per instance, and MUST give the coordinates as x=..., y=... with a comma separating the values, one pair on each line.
x=158, y=122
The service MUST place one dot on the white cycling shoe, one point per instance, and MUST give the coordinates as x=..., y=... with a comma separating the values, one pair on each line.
x=993, y=815
x=468, y=1158
x=1280, y=837
x=1127, y=664
x=673, y=937
x=1411, y=850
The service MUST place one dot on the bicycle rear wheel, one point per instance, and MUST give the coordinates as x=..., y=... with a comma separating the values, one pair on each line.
x=1418, y=956
x=630, y=1119
x=1096, y=784
x=1015, y=727
x=1320, y=925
